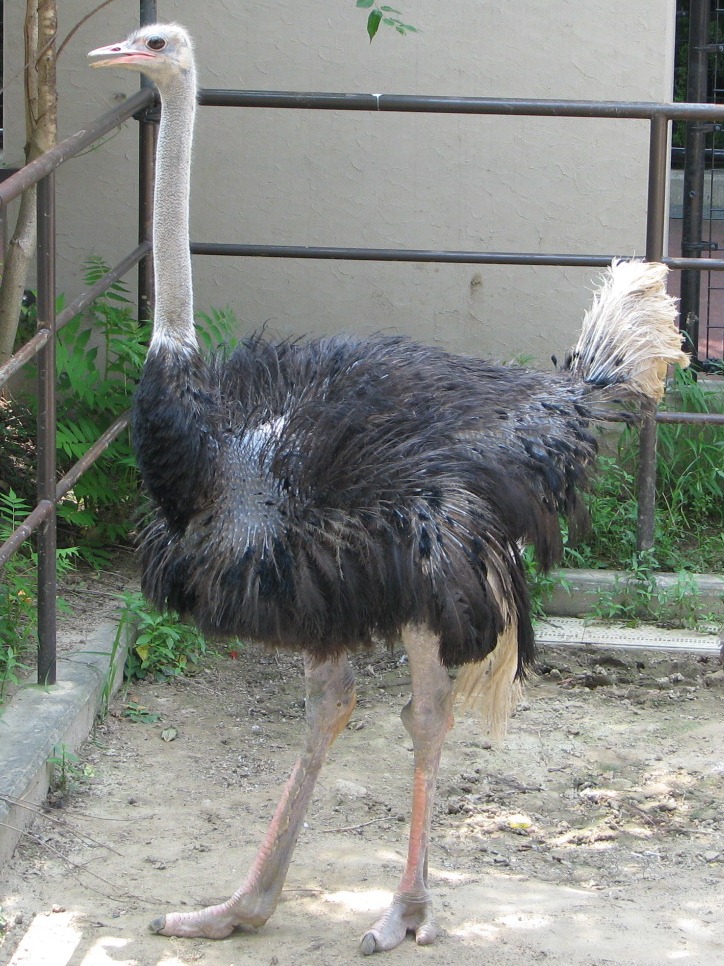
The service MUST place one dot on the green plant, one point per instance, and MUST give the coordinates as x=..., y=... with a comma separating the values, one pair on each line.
x=11, y=669
x=18, y=589
x=610, y=539
x=634, y=595
x=137, y=713
x=541, y=585
x=637, y=596
x=215, y=330
x=690, y=493
x=690, y=464
x=681, y=604
x=17, y=579
x=109, y=680
x=164, y=647
x=99, y=358
x=387, y=16
x=68, y=772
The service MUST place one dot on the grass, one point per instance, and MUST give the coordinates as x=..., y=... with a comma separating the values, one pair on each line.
x=689, y=528
x=68, y=773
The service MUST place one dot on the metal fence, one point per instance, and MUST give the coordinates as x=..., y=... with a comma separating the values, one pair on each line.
x=702, y=204
x=41, y=172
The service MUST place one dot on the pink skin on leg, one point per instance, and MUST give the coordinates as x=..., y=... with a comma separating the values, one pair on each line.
x=330, y=701
x=428, y=718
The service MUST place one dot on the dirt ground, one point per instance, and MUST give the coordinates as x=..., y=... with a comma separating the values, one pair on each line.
x=594, y=834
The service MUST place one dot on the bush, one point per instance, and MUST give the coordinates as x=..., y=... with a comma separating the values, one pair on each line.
x=164, y=647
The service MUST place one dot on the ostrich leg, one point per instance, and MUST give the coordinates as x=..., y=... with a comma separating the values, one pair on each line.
x=427, y=716
x=330, y=701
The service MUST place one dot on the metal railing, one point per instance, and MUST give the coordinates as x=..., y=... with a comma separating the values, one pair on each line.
x=50, y=491
x=41, y=172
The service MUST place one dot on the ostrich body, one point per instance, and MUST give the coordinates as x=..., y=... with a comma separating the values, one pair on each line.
x=328, y=494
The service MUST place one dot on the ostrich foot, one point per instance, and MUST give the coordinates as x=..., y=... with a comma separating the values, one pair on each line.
x=406, y=914
x=214, y=922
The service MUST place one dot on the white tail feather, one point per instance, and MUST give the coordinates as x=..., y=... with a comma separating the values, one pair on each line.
x=629, y=337
x=490, y=688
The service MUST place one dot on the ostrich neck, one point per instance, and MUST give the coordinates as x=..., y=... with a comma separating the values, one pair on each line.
x=174, y=311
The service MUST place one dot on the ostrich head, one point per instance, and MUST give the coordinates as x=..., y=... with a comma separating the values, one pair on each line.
x=160, y=51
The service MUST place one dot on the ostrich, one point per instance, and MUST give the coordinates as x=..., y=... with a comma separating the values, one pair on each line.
x=329, y=494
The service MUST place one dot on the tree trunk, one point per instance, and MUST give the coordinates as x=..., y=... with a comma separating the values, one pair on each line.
x=41, y=128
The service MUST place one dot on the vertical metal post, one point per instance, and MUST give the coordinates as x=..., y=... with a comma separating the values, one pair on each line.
x=46, y=441
x=694, y=158
x=146, y=153
x=655, y=224
x=148, y=12
x=658, y=177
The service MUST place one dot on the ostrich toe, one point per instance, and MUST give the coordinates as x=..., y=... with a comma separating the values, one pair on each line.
x=406, y=914
x=212, y=923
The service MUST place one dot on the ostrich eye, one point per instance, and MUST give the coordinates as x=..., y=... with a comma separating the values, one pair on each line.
x=156, y=43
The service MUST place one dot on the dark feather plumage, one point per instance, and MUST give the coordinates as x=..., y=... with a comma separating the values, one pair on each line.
x=323, y=493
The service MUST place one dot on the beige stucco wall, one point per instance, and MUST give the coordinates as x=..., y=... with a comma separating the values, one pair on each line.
x=415, y=181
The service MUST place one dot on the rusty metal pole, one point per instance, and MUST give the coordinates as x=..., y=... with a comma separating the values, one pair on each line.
x=692, y=242
x=47, y=532
x=146, y=153
x=658, y=168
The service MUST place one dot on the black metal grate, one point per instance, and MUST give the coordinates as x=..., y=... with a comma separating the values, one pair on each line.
x=700, y=71
x=711, y=337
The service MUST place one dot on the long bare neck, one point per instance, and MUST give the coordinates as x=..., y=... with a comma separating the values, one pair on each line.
x=174, y=311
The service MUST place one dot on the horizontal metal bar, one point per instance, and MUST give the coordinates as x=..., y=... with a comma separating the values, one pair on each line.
x=697, y=264
x=712, y=155
x=103, y=284
x=428, y=255
x=16, y=362
x=68, y=481
x=662, y=416
x=30, y=524
x=399, y=255
x=35, y=171
x=419, y=103
x=710, y=419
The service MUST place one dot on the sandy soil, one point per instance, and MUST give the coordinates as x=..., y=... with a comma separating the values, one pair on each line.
x=593, y=835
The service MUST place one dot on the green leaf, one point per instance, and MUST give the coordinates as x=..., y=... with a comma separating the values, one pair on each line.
x=373, y=23
x=365, y=3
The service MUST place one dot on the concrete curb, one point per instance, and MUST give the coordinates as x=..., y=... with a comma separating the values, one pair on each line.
x=586, y=585
x=41, y=719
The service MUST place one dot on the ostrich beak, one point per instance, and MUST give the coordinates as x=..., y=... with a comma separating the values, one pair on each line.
x=118, y=55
